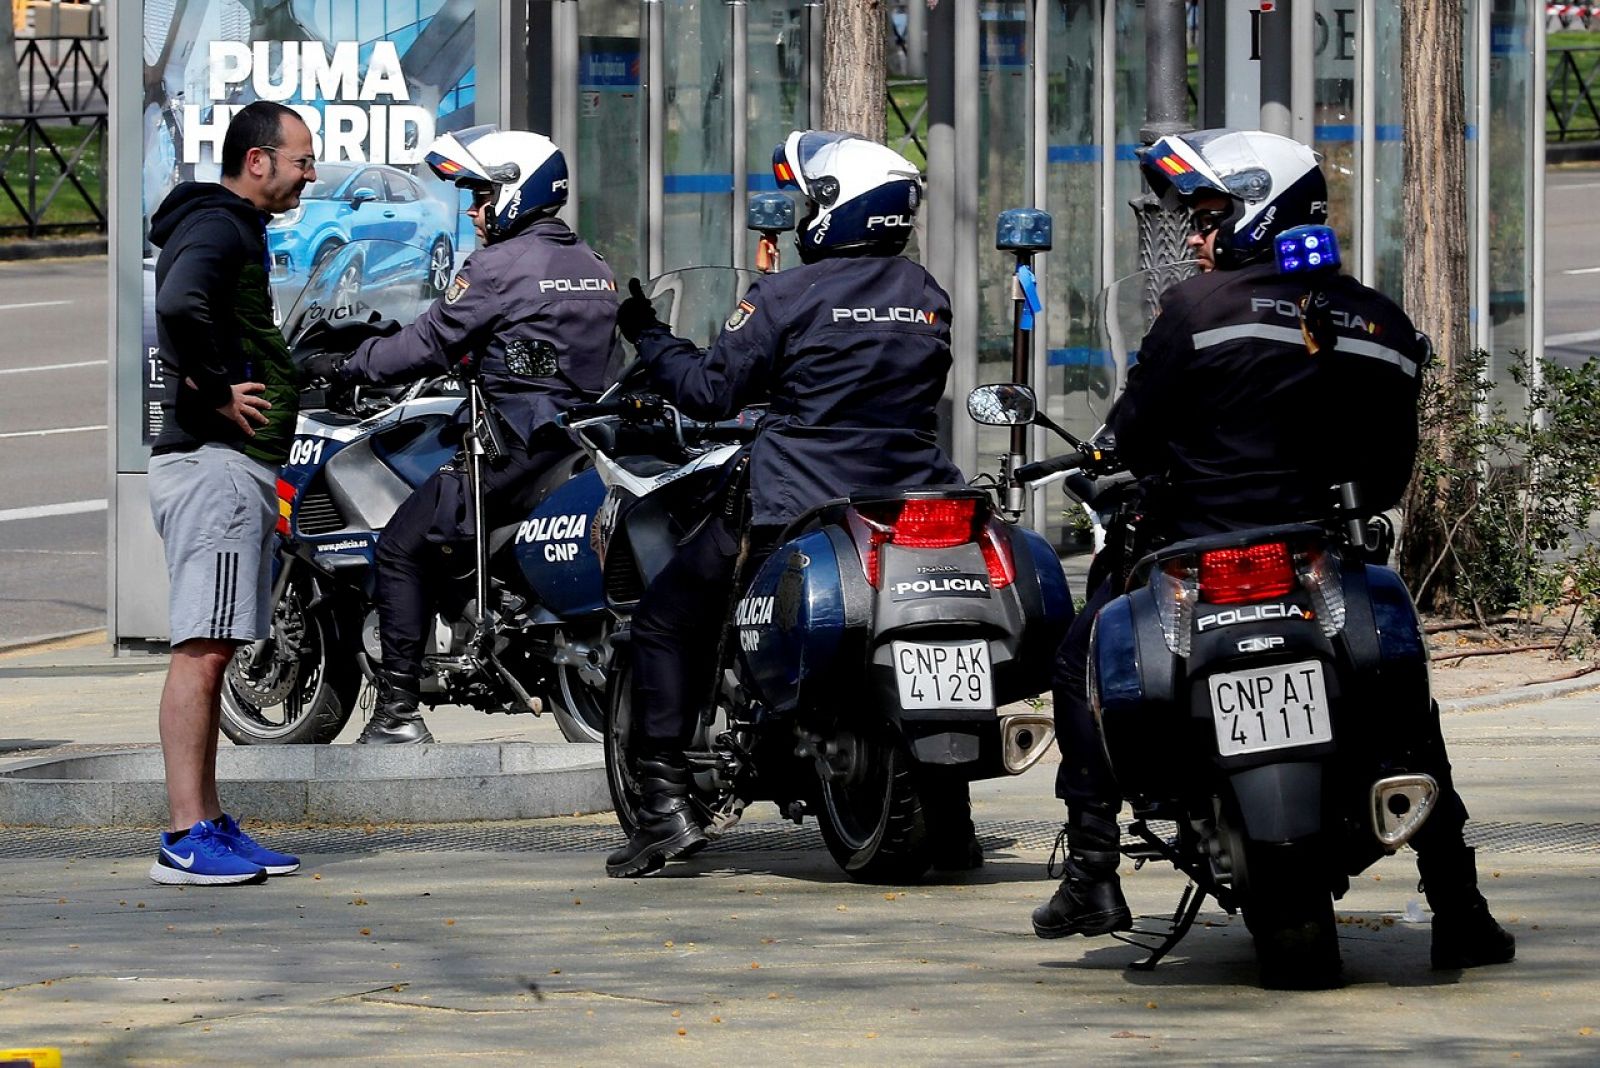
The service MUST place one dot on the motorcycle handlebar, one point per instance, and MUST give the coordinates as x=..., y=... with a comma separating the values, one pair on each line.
x=1043, y=468
x=635, y=404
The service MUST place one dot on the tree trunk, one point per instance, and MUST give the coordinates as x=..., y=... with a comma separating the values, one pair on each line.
x=1436, y=278
x=10, y=82
x=853, y=66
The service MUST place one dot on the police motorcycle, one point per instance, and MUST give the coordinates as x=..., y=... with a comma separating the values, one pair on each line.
x=539, y=641
x=1261, y=696
x=862, y=670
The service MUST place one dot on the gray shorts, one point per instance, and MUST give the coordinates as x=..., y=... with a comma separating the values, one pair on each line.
x=215, y=509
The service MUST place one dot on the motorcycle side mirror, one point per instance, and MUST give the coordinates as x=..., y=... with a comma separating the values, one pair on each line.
x=769, y=213
x=1003, y=404
x=362, y=196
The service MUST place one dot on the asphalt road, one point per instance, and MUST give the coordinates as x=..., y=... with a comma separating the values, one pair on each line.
x=53, y=458
x=53, y=391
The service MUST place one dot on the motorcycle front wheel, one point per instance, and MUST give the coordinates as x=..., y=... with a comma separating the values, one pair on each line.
x=876, y=824
x=620, y=778
x=299, y=688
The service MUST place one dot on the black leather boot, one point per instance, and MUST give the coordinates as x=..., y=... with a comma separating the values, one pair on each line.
x=1089, y=900
x=665, y=820
x=1465, y=934
x=395, y=720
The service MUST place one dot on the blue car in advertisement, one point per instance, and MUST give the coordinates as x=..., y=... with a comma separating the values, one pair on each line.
x=364, y=202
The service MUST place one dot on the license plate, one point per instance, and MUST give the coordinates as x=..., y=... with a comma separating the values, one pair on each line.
x=1270, y=708
x=943, y=674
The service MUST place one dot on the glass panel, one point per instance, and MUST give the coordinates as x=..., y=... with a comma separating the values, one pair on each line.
x=1005, y=127
x=1388, y=164
x=697, y=157
x=1507, y=127
x=1130, y=104
x=1078, y=384
x=610, y=119
x=1336, y=124
x=1079, y=381
x=777, y=96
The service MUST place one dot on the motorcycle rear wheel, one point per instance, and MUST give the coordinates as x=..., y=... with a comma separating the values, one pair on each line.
x=878, y=827
x=1289, y=911
x=302, y=688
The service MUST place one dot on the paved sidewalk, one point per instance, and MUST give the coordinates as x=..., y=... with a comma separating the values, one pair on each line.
x=504, y=943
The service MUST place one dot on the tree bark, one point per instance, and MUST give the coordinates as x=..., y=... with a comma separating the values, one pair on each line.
x=1436, y=277
x=853, y=67
x=10, y=81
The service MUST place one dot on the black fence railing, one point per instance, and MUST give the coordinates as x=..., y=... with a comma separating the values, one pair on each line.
x=61, y=75
x=53, y=174
x=1572, y=89
x=53, y=155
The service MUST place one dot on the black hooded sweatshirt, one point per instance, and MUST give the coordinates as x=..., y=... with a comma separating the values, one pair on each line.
x=214, y=323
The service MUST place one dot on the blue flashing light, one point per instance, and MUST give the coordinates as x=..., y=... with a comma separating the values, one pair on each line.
x=1307, y=248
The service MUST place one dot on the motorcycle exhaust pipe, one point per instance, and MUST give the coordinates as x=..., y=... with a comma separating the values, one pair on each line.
x=1400, y=806
x=1025, y=737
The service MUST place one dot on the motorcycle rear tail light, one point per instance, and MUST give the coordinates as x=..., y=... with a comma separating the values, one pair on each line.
x=1242, y=576
x=934, y=523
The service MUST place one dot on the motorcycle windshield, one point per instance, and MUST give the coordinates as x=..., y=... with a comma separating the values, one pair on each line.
x=1124, y=311
x=394, y=279
x=697, y=302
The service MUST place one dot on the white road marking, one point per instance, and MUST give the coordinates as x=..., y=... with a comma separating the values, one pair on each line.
x=1582, y=270
x=1572, y=339
x=45, y=433
x=34, y=304
x=44, y=511
x=1552, y=186
x=51, y=367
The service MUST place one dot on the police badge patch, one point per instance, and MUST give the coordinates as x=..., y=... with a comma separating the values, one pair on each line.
x=458, y=286
x=741, y=315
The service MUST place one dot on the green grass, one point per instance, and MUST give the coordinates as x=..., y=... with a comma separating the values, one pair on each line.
x=68, y=209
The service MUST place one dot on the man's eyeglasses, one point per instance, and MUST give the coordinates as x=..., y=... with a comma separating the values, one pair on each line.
x=481, y=198
x=1206, y=222
x=302, y=163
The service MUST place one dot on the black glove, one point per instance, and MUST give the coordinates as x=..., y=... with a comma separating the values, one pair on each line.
x=637, y=314
x=323, y=367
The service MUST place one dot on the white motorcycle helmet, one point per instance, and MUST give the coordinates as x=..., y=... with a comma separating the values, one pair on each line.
x=525, y=172
x=1273, y=183
x=859, y=194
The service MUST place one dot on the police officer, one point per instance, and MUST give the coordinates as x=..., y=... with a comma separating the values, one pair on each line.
x=535, y=309
x=1224, y=410
x=851, y=351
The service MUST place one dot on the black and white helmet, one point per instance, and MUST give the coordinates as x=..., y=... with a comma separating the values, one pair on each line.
x=859, y=194
x=525, y=172
x=1273, y=182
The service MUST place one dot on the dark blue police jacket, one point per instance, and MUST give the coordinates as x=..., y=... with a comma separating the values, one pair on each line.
x=851, y=354
x=538, y=310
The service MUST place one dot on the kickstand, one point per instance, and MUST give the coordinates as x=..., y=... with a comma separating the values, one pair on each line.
x=1182, y=919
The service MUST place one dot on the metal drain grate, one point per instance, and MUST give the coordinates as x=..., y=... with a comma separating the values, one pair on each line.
x=552, y=836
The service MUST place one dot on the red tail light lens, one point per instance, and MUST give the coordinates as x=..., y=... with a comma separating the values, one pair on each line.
x=934, y=524
x=1240, y=576
x=997, y=555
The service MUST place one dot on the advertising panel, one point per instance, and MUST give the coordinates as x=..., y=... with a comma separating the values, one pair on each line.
x=375, y=81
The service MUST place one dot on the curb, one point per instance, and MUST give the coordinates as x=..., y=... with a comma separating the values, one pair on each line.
x=39, y=642
x=1539, y=691
x=48, y=249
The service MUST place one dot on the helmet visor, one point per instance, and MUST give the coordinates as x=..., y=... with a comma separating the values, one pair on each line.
x=794, y=163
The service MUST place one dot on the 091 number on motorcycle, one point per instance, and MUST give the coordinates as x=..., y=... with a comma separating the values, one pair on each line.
x=1276, y=707
x=943, y=674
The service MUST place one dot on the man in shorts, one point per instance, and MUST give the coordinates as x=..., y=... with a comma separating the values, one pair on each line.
x=228, y=417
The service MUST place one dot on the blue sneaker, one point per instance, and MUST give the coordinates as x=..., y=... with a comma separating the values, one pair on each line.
x=202, y=857
x=275, y=862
